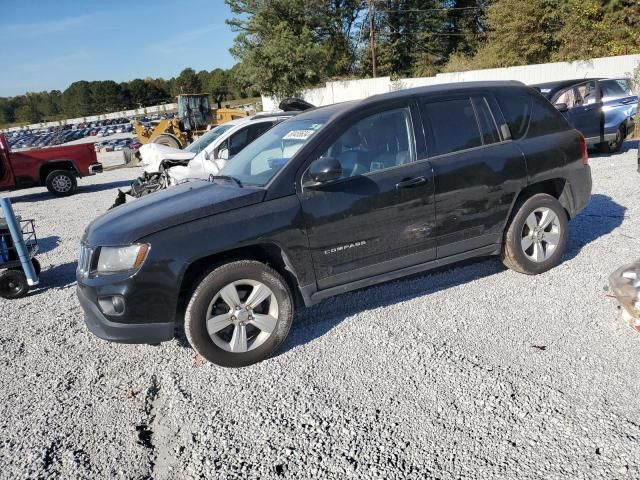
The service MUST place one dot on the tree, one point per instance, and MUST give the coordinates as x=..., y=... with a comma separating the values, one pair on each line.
x=521, y=32
x=188, y=82
x=77, y=100
x=595, y=28
x=288, y=45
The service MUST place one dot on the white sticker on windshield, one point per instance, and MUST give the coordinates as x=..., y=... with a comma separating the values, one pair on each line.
x=298, y=134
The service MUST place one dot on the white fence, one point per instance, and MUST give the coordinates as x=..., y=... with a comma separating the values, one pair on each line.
x=341, y=91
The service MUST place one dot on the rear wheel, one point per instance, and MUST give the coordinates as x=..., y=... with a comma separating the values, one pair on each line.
x=614, y=145
x=536, y=236
x=61, y=183
x=239, y=314
x=13, y=284
x=167, y=140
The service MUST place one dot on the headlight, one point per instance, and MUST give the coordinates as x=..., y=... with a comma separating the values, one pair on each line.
x=121, y=259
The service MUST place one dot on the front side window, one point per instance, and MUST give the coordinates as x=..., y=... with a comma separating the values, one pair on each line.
x=454, y=126
x=587, y=94
x=569, y=97
x=238, y=141
x=207, y=139
x=259, y=162
x=380, y=141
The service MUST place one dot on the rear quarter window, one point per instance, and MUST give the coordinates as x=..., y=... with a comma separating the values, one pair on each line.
x=516, y=108
x=545, y=118
x=530, y=114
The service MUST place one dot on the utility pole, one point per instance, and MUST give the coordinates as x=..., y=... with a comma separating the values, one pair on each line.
x=372, y=36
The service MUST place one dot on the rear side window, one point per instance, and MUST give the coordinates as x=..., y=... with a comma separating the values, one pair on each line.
x=454, y=126
x=516, y=109
x=545, y=118
x=615, y=89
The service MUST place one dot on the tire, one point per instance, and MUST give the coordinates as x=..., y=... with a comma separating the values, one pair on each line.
x=615, y=145
x=246, y=278
x=61, y=183
x=167, y=140
x=13, y=284
x=545, y=242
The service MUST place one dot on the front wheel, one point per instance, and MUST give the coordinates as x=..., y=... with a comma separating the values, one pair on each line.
x=536, y=236
x=239, y=314
x=61, y=183
x=167, y=140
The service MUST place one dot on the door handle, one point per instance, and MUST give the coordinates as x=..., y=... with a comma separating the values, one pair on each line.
x=411, y=182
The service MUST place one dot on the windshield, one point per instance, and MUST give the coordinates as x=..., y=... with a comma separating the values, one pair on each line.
x=205, y=140
x=258, y=162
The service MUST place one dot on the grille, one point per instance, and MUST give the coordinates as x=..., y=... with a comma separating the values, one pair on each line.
x=84, y=260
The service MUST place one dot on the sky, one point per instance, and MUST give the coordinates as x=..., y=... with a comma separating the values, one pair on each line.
x=49, y=44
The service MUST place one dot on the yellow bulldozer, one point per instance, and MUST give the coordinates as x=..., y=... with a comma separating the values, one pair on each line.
x=195, y=117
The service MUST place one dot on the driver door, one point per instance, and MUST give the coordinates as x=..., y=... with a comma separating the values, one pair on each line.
x=380, y=215
x=584, y=108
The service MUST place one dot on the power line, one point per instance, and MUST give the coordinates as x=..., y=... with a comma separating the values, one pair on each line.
x=436, y=34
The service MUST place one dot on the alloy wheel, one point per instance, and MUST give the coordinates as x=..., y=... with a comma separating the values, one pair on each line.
x=242, y=316
x=540, y=234
x=61, y=184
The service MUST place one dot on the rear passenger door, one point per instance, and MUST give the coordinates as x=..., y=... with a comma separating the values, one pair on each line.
x=477, y=170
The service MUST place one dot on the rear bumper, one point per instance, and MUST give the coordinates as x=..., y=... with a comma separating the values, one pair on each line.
x=95, y=168
x=103, y=328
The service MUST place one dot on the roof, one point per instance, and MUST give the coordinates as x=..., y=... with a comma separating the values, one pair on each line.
x=330, y=111
x=549, y=89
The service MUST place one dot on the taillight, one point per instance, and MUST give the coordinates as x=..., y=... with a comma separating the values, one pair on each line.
x=583, y=149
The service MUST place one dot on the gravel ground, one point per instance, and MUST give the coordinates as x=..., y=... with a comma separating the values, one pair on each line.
x=438, y=376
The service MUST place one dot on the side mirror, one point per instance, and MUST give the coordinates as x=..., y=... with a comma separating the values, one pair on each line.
x=223, y=154
x=323, y=170
x=562, y=107
x=207, y=156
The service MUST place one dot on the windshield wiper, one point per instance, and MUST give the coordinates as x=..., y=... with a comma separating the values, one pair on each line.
x=225, y=177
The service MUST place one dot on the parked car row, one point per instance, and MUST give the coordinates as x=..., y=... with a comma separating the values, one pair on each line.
x=117, y=144
x=50, y=137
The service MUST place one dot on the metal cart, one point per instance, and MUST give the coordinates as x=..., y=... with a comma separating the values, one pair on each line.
x=19, y=269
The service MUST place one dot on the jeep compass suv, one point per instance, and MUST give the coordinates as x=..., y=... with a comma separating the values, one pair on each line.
x=337, y=198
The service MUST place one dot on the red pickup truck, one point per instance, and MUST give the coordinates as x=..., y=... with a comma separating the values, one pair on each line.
x=56, y=167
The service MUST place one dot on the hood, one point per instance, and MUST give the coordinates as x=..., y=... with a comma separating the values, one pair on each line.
x=152, y=154
x=161, y=210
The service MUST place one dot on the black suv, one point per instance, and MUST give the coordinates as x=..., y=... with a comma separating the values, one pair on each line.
x=335, y=199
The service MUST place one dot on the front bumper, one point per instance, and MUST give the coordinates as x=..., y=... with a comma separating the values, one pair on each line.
x=103, y=328
x=95, y=168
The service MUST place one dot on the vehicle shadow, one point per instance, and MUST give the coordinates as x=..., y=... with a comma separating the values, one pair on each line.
x=57, y=276
x=599, y=218
x=314, y=322
x=629, y=144
x=47, y=244
x=44, y=194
